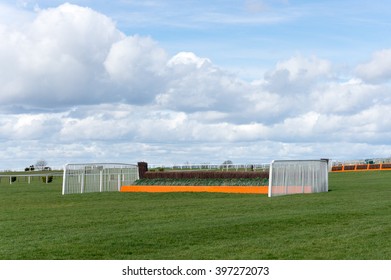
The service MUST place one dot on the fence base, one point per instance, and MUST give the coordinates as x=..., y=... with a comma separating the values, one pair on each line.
x=213, y=189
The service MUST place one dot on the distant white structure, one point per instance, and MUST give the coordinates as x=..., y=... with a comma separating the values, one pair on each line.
x=298, y=176
x=97, y=177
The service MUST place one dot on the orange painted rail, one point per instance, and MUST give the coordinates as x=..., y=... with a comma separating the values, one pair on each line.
x=361, y=167
x=215, y=189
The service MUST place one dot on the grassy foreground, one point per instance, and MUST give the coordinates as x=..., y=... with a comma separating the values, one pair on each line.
x=352, y=221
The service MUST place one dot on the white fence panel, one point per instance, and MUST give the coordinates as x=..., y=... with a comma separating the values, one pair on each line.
x=298, y=176
x=98, y=177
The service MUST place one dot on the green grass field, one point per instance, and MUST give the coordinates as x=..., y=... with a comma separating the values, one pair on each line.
x=352, y=221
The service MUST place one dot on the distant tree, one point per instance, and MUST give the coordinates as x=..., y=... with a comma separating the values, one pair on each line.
x=226, y=164
x=31, y=168
x=41, y=164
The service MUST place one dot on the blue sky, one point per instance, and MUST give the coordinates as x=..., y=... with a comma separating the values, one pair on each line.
x=193, y=81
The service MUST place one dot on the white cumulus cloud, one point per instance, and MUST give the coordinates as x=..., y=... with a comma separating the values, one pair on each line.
x=136, y=65
x=377, y=70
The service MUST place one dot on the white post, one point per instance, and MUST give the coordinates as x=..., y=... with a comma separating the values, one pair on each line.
x=270, y=179
x=64, y=179
x=302, y=180
x=101, y=180
x=327, y=181
x=82, y=182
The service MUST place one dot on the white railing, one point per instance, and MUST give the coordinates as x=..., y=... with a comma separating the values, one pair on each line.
x=11, y=178
x=362, y=161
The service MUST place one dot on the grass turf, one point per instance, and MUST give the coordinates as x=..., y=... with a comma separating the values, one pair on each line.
x=352, y=221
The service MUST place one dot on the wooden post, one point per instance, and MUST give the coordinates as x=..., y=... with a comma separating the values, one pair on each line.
x=142, y=169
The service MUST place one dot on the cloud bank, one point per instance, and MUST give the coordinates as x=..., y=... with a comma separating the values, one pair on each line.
x=74, y=88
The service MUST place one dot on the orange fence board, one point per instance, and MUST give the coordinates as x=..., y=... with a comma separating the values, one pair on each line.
x=361, y=167
x=215, y=189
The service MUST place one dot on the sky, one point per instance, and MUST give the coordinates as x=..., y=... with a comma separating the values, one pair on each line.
x=176, y=81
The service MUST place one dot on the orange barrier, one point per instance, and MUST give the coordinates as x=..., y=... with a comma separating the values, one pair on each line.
x=361, y=167
x=215, y=189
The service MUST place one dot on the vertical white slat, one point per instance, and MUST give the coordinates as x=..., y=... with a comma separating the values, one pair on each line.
x=100, y=180
x=270, y=179
x=82, y=182
x=64, y=179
